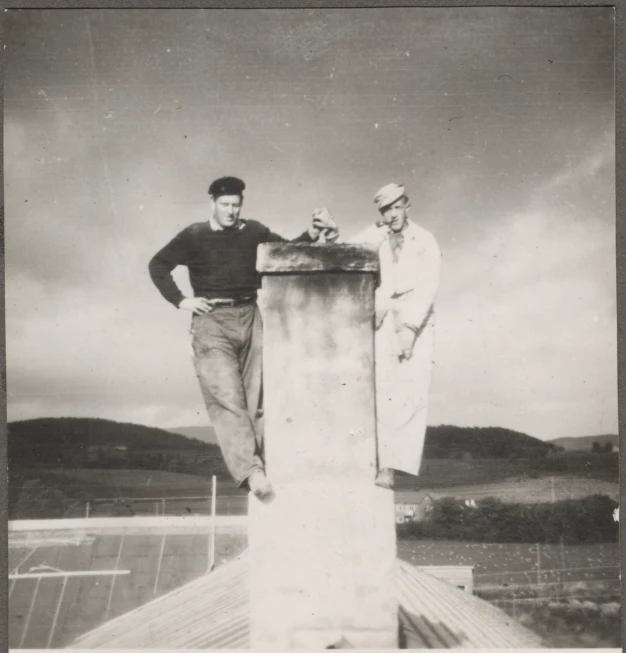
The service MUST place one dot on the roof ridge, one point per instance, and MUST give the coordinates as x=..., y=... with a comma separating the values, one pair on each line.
x=455, y=602
x=213, y=612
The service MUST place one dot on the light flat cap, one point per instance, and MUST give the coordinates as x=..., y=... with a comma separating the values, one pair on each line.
x=388, y=195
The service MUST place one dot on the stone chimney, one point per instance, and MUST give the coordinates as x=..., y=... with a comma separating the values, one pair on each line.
x=322, y=554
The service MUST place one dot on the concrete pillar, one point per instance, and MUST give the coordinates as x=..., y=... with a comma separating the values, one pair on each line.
x=322, y=554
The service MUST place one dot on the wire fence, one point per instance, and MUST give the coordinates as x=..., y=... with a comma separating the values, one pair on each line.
x=564, y=578
x=553, y=598
x=604, y=604
x=225, y=504
x=543, y=571
x=546, y=577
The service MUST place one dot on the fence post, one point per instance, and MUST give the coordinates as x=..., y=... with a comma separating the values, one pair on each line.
x=538, y=563
x=213, y=519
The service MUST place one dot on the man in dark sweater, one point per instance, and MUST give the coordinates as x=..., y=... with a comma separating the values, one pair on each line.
x=220, y=255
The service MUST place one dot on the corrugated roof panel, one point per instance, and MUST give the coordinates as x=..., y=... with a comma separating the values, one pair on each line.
x=182, y=618
x=212, y=612
x=459, y=619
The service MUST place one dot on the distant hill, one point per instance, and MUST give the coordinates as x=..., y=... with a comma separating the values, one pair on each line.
x=204, y=433
x=69, y=439
x=481, y=442
x=442, y=441
x=584, y=442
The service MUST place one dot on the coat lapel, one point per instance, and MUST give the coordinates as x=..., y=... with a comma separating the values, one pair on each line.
x=405, y=268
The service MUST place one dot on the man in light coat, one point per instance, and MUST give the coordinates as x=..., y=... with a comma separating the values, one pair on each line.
x=405, y=319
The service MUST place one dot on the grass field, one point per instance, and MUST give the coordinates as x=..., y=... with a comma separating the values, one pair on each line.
x=566, y=624
x=448, y=473
x=79, y=486
x=522, y=489
x=568, y=595
x=575, y=589
x=500, y=564
x=127, y=482
x=474, y=479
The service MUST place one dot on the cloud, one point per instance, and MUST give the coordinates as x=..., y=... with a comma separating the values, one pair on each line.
x=106, y=161
x=527, y=316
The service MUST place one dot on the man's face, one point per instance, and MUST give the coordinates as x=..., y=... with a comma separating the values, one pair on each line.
x=396, y=214
x=226, y=210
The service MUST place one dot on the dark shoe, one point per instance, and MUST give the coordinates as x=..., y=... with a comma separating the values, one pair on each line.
x=385, y=478
x=261, y=487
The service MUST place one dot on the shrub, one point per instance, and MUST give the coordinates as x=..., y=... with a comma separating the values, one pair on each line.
x=572, y=521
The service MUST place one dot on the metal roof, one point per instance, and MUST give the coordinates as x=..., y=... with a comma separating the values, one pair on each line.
x=88, y=556
x=433, y=614
x=209, y=612
x=212, y=612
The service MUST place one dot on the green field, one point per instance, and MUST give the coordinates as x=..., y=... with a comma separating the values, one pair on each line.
x=126, y=482
x=568, y=595
x=587, y=471
x=513, y=481
x=65, y=493
x=508, y=564
x=571, y=624
x=521, y=489
x=445, y=472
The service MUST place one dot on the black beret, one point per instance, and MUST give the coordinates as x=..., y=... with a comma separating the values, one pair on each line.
x=226, y=186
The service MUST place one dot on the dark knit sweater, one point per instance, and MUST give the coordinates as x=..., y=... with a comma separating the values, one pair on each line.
x=220, y=263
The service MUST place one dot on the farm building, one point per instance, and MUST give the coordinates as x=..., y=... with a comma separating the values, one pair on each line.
x=412, y=506
x=116, y=451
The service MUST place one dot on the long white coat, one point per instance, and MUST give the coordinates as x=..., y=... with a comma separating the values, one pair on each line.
x=406, y=296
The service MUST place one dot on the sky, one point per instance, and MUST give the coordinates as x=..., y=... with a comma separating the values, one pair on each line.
x=499, y=121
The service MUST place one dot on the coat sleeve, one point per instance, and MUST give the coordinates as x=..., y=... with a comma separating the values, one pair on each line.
x=413, y=309
x=371, y=237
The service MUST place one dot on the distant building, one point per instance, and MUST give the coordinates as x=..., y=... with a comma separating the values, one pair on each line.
x=412, y=506
x=459, y=576
x=116, y=451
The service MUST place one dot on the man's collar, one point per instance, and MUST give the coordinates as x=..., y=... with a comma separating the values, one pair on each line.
x=216, y=226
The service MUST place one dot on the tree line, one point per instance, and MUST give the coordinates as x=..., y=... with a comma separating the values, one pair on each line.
x=589, y=520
